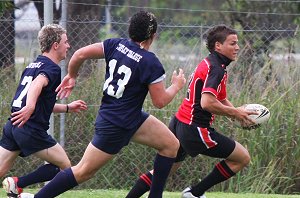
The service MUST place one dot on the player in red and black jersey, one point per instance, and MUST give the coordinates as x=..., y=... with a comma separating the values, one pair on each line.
x=191, y=124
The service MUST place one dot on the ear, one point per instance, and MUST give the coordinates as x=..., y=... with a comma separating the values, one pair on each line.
x=152, y=37
x=218, y=45
x=55, y=45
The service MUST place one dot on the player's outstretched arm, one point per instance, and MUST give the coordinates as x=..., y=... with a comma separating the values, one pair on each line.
x=160, y=95
x=75, y=106
x=66, y=86
x=93, y=51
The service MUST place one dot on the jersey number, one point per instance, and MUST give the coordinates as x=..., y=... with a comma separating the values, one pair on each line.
x=26, y=82
x=121, y=82
x=188, y=93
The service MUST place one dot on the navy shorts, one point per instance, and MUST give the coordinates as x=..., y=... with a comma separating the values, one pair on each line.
x=27, y=140
x=111, y=138
x=196, y=140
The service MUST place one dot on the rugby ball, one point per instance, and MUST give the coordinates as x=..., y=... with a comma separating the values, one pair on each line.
x=260, y=118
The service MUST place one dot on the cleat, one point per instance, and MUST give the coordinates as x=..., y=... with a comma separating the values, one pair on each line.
x=10, y=186
x=186, y=193
x=26, y=195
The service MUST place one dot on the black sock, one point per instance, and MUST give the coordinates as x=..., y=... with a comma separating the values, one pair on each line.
x=162, y=167
x=220, y=173
x=42, y=174
x=141, y=186
x=62, y=182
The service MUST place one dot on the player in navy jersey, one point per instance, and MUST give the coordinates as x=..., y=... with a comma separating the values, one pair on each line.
x=131, y=71
x=25, y=132
x=206, y=96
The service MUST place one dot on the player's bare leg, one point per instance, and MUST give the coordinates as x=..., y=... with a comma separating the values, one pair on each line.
x=92, y=160
x=155, y=134
x=238, y=159
x=55, y=155
x=7, y=159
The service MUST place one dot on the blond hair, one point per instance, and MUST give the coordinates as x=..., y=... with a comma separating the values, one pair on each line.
x=48, y=35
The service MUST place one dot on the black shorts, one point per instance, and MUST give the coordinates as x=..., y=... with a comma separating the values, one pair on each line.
x=25, y=139
x=195, y=140
x=111, y=138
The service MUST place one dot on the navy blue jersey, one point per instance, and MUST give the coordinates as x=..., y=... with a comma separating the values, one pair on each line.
x=46, y=101
x=129, y=71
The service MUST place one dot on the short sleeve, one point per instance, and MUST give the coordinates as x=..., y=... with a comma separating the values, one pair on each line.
x=153, y=71
x=213, y=80
x=53, y=73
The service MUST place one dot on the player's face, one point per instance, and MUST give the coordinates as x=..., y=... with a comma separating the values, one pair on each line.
x=63, y=46
x=229, y=47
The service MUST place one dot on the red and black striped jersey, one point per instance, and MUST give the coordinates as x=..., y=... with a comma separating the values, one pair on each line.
x=209, y=76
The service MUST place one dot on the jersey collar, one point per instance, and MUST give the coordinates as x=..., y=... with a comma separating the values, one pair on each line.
x=223, y=59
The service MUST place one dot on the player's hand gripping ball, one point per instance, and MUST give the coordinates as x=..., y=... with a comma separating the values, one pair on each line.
x=260, y=118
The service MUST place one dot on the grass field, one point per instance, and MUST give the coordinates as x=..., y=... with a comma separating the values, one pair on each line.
x=122, y=193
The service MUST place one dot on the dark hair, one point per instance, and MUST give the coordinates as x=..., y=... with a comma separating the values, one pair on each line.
x=142, y=26
x=217, y=33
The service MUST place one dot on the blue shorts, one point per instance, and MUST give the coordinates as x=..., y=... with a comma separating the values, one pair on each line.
x=196, y=140
x=25, y=139
x=111, y=138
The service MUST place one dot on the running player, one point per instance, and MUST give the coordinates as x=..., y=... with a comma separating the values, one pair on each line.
x=191, y=124
x=25, y=132
x=131, y=71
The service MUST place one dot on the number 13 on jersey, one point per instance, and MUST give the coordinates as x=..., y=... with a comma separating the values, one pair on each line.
x=121, y=83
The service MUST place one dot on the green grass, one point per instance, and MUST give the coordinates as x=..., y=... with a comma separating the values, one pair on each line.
x=122, y=193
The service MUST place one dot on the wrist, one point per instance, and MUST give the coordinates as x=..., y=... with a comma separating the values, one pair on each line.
x=73, y=75
x=176, y=88
x=67, y=108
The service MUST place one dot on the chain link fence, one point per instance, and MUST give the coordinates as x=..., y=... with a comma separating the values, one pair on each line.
x=265, y=50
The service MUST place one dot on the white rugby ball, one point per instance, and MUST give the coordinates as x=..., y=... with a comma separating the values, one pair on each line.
x=262, y=116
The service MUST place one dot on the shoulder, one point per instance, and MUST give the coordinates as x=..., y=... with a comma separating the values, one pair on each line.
x=150, y=57
x=113, y=41
x=203, y=67
x=49, y=69
x=152, y=61
x=46, y=61
x=112, y=44
x=215, y=64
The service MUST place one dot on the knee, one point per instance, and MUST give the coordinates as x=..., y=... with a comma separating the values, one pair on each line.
x=245, y=159
x=241, y=156
x=3, y=169
x=173, y=147
x=2, y=173
x=83, y=173
x=176, y=146
x=65, y=164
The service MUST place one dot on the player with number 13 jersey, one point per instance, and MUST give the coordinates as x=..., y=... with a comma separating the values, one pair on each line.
x=129, y=71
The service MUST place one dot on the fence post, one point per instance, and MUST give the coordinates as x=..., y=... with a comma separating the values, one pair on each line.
x=63, y=73
x=48, y=19
x=108, y=16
